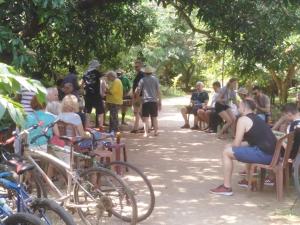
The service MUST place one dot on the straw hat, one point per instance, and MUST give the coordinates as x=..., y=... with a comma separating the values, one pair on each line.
x=242, y=91
x=149, y=70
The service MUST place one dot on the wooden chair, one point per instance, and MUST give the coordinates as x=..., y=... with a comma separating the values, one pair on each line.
x=279, y=165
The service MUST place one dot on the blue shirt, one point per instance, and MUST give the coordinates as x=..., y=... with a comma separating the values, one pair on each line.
x=34, y=118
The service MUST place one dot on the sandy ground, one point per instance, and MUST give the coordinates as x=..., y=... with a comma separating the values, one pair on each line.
x=183, y=165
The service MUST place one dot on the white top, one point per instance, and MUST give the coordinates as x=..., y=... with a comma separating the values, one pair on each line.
x=214, y=99
x=70, y=117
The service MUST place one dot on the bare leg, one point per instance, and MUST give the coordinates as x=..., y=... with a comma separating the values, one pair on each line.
x=184, y=115
x=146, y=126
x=136, y=118
x=155, y=125
x=100, y=120
x=224, y=115
x=87, y=120
x=228, y=158
x=233, y=119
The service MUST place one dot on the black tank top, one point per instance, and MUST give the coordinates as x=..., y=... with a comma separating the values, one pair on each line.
x=260, y=135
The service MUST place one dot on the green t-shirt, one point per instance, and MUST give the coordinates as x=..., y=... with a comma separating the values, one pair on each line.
x=126, y=84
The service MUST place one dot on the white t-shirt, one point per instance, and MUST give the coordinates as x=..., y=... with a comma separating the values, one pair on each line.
x=214, y=99
x=70, y=117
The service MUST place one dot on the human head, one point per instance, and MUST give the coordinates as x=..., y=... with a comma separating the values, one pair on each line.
x=119, y=72
x=52, y=94
x=59, y=83
x=199, y=86
x=111, y=75
x=94, y=65
x=246, y=106
x=242, y=92
x=216, y=86
x=70, y=104
x=256, y=91
x=36, y=105
x=68, y=88
x=53, y=107
x=138, y=65
x=232, y=83
x=72, y=69
x=148, y=70
x=290, y=110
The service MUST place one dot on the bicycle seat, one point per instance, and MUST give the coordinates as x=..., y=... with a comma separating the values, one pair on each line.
x=20, y=167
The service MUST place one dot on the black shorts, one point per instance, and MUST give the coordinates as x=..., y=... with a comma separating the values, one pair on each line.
x=92, y=101
x=149, y=109
x=220, y=107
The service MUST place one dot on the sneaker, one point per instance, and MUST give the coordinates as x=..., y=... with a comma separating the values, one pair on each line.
x=243, y=183
x=269, y=181
x=195, y=128
x=222, y=190
x=185, y=126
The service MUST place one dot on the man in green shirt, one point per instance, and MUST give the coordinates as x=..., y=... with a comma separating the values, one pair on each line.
x=126, y=89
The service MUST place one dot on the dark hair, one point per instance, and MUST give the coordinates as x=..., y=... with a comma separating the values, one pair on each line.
x=256, y=88
x=290, y=108
x=59, y=82
x=249, y=103
x=216, y=83
x=231, y=81
x=36, y=105
x=72, y=69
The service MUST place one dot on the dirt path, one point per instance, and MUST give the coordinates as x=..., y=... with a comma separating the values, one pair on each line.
x=183, y=165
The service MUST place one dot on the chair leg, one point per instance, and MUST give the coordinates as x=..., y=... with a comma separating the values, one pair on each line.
x=262, y=179
x=279, y=183
x=286, y=178
x=250, y=177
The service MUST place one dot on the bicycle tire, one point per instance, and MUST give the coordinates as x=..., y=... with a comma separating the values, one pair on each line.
x=296, y=168
x=138, y=186
x=22, y=219
x=109, y=183
x=43, y=208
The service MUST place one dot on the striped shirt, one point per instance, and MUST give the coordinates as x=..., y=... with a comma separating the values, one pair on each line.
x=26, y=99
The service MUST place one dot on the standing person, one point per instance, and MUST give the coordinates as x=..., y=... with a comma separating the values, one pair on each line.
x=114, y=99
x=151, y=98
x=260, y=147
x=226, y=96
x=199, y=100
x=263, y=105
x=92, y=97
x=126, y=89
x=136, y=98
x=72, y=78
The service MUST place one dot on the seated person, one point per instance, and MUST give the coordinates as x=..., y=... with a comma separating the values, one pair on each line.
x=53, y=105
x=260, y=147
x=38, y=115
x=263, y=105
x=204, y=113
x=243, y=93
x=199, y=100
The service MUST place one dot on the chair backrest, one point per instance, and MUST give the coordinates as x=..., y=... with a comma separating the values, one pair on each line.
x=66, y=129
x=281, y=152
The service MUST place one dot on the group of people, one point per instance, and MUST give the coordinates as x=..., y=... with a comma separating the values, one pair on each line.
x=248, y=116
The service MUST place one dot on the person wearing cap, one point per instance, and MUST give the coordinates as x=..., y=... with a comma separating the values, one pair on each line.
x=136, y=99
x=199, y=99
x=150, y=89
x=243, y=93
x=114, y=99
x=126, y=89
x=92, y=96
x=263, y=104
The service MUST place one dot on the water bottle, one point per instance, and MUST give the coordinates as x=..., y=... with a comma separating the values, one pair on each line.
x=4, y=206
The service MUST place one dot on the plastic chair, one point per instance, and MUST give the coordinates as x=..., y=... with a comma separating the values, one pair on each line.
x=279, y=165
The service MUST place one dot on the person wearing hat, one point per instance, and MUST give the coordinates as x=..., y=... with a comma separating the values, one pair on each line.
x=243, y=93
x=92, y=96
x=151, y=99
x=114, y=99
x=126, y=89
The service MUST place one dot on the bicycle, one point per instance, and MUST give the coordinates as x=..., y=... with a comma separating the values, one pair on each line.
x=131, y=175
x=47, y=210
x=22, y=219
x=95, y=200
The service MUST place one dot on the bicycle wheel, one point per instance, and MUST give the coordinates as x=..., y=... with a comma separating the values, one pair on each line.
x=296, y=168
x=51, y=213
x=139, y=184
x=109, y=195
x=22, y=219
x=33, y=184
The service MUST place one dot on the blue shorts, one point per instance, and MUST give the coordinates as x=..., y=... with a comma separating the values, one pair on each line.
x=248, y=154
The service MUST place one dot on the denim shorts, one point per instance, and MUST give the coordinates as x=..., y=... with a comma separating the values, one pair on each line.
x=248, y=154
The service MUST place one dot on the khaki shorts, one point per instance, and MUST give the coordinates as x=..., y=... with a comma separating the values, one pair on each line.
x=136, y=105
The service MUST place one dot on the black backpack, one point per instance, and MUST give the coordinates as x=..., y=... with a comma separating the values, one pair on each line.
x=92, y=82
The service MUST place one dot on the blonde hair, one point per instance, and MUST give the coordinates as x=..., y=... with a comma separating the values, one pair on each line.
x=70, y=104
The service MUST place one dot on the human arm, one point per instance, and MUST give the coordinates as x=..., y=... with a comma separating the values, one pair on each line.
x=279, y=122
x=139, y=88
